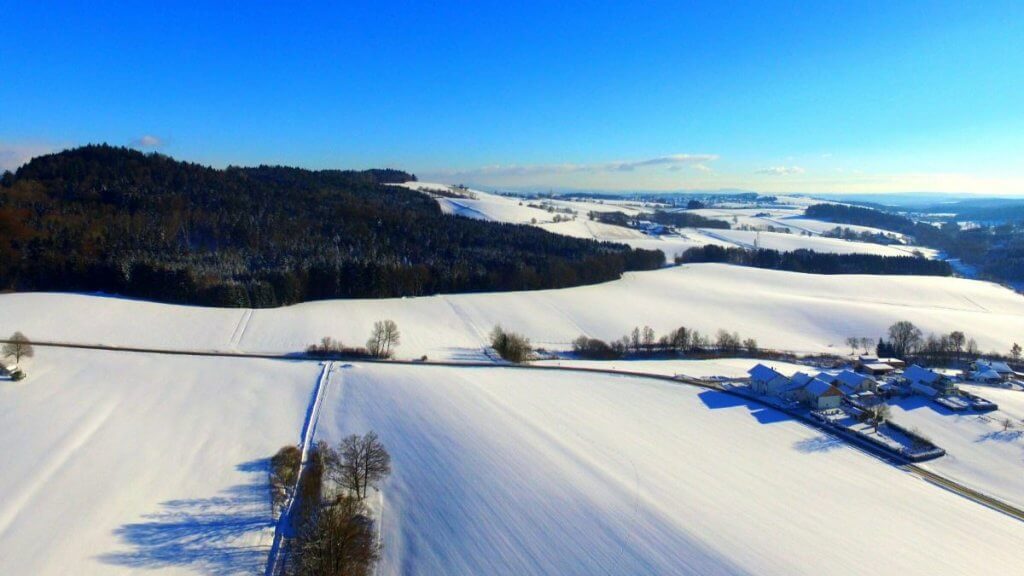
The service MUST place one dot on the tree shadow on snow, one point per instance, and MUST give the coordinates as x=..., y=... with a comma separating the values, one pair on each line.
x=1002, y=436
x=212, y=535
x=818, y=444
x=764, y=415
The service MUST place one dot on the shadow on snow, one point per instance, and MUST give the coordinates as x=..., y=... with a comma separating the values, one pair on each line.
x=717, y=400
x=208, y=535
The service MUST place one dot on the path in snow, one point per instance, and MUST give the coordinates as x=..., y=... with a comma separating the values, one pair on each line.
x=284, y=523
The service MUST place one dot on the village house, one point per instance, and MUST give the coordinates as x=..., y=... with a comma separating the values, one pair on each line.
x=1002, y=370
x=852, y=383
x=927, y=382
x=821, y=395
x=765, y=380
x=794, y=390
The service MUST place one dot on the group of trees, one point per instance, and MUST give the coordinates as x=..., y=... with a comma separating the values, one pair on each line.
x=335, y=535
x=905, y=340
x=642, y=341
x=809, y=261
x=383, y=340
x=511, y=346
x=675, y=219
x=100, y=218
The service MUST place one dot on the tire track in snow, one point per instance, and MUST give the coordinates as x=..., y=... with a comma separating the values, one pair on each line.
x=61, y=455
x=284, y=523
x=243, y=323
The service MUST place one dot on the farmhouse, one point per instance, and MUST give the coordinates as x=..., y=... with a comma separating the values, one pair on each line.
x=987, y=367
x=765, y=380
x=927, y=382
x=821, y=395
x=851, y=382
x=794, y=390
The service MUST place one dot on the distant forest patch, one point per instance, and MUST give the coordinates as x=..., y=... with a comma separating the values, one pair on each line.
x=996, y=251
x=101, y=218
x=812, y=262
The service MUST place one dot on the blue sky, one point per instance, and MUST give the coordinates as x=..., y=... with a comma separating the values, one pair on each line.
x=863, y=97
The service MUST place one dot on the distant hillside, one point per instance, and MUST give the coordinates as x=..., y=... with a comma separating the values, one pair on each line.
x=996, y=251
x=100, y=218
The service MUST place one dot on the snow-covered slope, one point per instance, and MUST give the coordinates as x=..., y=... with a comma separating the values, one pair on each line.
x=979, y=452
x=119, y=463
x=507, y=472
x=498, y=208
x=782, y=310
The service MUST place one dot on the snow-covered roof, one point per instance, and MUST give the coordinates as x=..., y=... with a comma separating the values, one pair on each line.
x=987, y=375
x=1000, y=367
x=800, y=379
x=763, y=373
x=826, y=376
x=878, y=366
x=852, y=378
x=818, y=387
x=917, y=374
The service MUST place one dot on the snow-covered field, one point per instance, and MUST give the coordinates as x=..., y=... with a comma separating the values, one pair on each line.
x=784, y=242
x=979, y=452
x=782, y=310
x=720, y=367
x=510, y=472
x=119, y=463
x=494, y=207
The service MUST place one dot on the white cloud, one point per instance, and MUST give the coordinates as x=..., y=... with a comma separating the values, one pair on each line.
x=148, y=141
x=12, y=156
x=781, y=170
x=671, y=162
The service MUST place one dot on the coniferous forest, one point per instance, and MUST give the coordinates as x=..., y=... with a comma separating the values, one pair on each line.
x=114, y=220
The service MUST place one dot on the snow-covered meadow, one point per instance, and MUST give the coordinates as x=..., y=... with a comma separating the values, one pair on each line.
x=782, y=310
x=765, y=226
x=120, y=463
x=501, y=471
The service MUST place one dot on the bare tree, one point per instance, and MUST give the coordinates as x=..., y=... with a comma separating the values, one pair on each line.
x=877, y=414
x=904, y=337
x=1015, y=351
x=866, y=343
x=339, y=541
x=957, y=340
x=852, y=342
x=384, y=337
x=648, y=338
x=635, y=339
x=18, y=347
x=363, y=462
x=751, y=345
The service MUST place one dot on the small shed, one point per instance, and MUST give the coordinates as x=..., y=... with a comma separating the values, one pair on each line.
x=876, y=369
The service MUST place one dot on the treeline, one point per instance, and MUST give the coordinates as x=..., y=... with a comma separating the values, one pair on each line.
x=812, y=262
x=676, y=219
x=100, y=218
x=686, y=220
x=996, y=251
x=643, y=341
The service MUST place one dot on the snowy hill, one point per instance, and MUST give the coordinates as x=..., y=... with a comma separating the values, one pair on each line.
x=782, y=310
x=803, y=233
